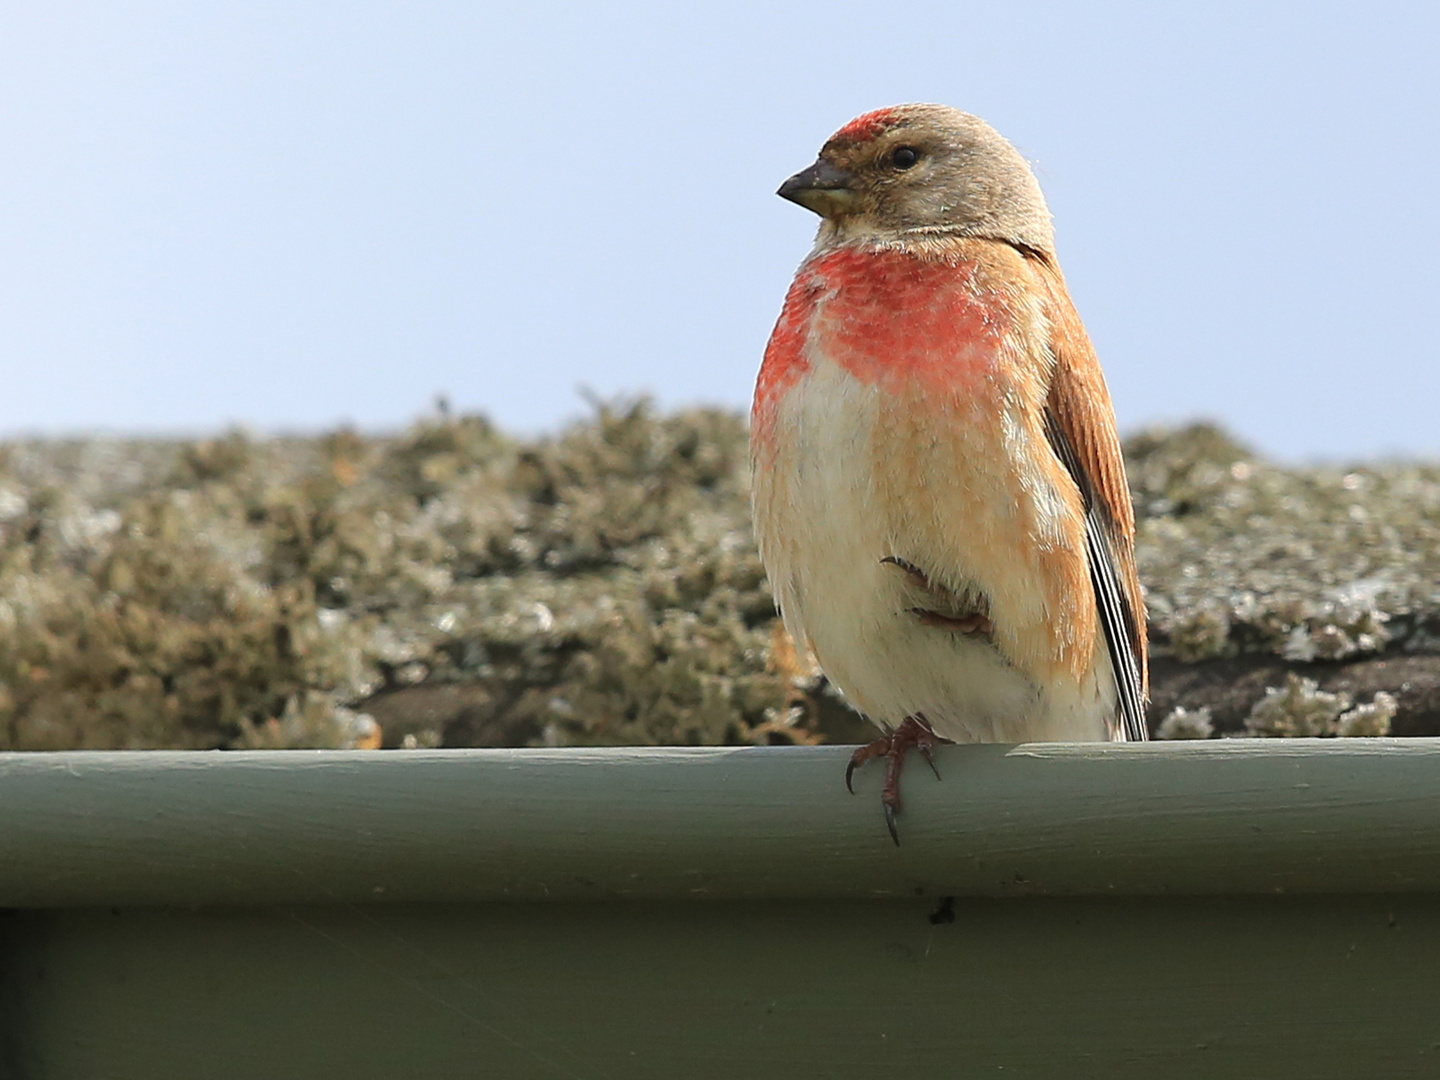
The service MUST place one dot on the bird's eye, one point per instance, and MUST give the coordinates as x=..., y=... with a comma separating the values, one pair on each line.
x=904, y=157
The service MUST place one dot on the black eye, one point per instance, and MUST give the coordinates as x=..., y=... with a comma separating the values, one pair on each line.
x=904, y=157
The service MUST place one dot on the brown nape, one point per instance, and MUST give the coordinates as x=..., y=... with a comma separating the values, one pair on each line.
x=954, y=174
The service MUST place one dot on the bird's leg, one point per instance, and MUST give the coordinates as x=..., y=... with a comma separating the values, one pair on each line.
x=914, y=732
x=971, y=622
x=963, y=624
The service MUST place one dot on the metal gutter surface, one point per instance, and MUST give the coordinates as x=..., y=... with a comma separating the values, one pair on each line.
x=1238, y=817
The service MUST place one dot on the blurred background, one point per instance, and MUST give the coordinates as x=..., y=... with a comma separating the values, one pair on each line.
x=288, y=216
x=245, y=249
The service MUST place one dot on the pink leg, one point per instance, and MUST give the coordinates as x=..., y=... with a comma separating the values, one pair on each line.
x=914, y=732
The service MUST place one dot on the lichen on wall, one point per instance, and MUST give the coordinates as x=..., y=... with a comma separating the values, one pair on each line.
x=451, y=585
x=1239, y=555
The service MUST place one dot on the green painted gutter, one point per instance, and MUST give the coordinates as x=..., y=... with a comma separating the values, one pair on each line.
x=1237, y=908
x=1227, y=817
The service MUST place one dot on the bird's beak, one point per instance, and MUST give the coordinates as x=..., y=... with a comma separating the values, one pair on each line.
x=822, y=188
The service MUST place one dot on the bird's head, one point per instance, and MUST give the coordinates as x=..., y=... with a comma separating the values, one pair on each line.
x=914, y=171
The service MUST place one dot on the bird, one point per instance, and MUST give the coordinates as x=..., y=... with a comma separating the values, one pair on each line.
x=938, y=489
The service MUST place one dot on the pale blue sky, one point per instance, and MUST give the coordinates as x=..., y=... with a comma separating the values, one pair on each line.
x=289, y=215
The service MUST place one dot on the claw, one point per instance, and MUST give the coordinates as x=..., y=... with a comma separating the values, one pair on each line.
x=863, y=754
x=929, y=755
x=913, y=572
x=913, y=732
x=972, y=609
x=974, y=623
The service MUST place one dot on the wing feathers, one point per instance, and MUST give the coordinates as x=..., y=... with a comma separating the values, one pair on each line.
x=1080, y=424
x=1123, y=638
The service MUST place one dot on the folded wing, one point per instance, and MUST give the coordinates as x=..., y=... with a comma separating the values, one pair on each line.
x=1080, y=424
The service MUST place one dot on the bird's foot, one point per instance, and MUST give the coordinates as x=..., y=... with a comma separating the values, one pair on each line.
x=914, y=732
x=969, y=614
x=974, y=623
x=917, y=576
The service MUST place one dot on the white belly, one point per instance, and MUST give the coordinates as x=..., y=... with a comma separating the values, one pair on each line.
x=824, y=531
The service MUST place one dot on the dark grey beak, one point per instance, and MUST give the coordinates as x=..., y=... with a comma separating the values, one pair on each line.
x=821, y=188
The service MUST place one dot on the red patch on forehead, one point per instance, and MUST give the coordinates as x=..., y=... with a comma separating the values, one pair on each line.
x=866, y=127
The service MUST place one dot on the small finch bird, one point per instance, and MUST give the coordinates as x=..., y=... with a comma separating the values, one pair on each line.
x=939, y=497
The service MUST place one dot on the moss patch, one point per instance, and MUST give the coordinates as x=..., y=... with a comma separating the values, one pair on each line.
x=454, y=586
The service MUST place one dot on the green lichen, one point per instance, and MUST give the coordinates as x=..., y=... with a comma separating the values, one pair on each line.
x=450, y=585
x=1242, y=556
x=596, y=587
x=1183, y=723
x=1300, y=709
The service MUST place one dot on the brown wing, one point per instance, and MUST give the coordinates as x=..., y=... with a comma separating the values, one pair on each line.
x=1080, y=423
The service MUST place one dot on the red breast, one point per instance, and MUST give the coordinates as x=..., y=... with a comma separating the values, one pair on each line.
x=888, y=318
